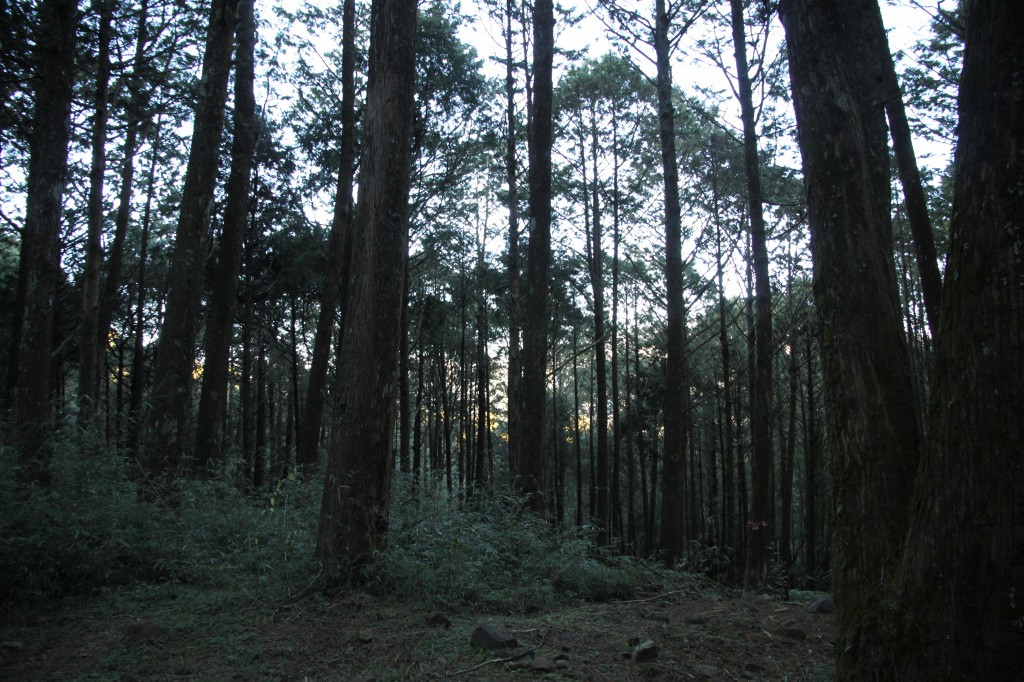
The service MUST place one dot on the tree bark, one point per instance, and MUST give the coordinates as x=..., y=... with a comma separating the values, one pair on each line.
x=673, y=475
x=962, y=571
x=39, y=264
x=357, y=489
x=872, y=414
x=759, y=530
x=339, y=251
x=166, y=424
x=209, y=449
x=536, y=307
x=92, y=346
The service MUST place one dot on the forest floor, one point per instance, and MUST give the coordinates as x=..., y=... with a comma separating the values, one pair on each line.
x=174, y=631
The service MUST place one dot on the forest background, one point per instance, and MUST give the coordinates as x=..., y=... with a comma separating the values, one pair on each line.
x=614, y=328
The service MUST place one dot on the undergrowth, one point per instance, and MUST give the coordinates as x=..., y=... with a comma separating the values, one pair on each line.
x=89, y=530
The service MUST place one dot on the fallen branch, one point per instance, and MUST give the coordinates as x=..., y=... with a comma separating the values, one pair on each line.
x=493, y=661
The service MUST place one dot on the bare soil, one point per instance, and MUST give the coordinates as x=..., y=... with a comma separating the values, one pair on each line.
x=174, y=632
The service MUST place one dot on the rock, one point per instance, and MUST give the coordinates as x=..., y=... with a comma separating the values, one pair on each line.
x=705, y=671
x=492, y=639
x=541, y=665
x=12, y=644
x=364, y=636
x=753, y=668
x=821, y=605
x=645, y=651
x=439, y=620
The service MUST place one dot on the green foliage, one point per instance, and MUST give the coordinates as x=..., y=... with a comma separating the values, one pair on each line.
x=89, y=529
x=491, y=554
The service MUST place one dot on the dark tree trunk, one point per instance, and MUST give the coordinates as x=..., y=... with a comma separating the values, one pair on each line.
x=112, y=281
x=759, y=530
x=92, y=345
x=672, y=530
x=910, y=177
x=357, y=489
x=339, y=251
x=536, y=307
x=39, y=264
x=515, y=372
x=872, y=413
x=166, y=425
x=964, y=565
x=224, y=285
x=810, y=461
x=576, y=427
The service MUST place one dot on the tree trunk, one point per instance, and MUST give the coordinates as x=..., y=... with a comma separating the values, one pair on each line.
x=92, y=346
x=220, y=322
x=759, y=530
x=339, y=251
x=39, y=264
x=872, y=414
x=672, y=542
x=357, y=489
x=962, y=571
x=166, y=425
x=536, y=306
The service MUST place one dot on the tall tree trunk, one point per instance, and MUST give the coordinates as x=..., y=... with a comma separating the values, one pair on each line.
x=139, y=354
x=209, y=449
x=357, y=489
x=759, y=530
x=603, y=520
x=92, y=346
x=536, y=306
x=166, y=425
x=339, y=251
x=672, y=542
x=910, y=177
x=136, y=101
x=39, y=263
x=576, y=426
x=872, y=413
x=962, y=570
x=810, y=460
x=515, y=371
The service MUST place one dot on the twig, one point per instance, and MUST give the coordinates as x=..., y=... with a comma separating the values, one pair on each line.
x=655, y=597
x=494, y=660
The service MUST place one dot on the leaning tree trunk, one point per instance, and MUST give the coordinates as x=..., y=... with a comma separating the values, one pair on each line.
x=873, y=428
x=357, y=489
x=40, y=249
x=166, y=425
x=339, y=250
x=964, y=567
x=224, y=281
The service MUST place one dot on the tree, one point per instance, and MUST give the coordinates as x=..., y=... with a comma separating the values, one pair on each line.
x=357, y=488
x=170, y=399
x=759, y=531
x=924, y=595
x=224, y=282
x=54, y=56
x=960, y=573
x=339, y=250
x=536, y=306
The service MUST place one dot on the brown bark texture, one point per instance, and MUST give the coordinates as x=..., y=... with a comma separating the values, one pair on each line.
x=873, y=428
x=357, y=489
x=963, y=570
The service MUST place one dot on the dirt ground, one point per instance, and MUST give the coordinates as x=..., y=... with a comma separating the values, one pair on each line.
x=174, y=632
